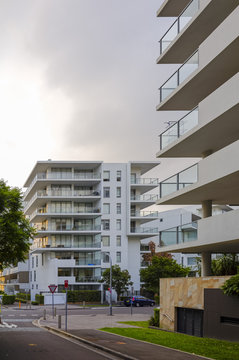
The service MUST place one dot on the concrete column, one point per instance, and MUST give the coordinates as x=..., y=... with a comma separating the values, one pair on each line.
x=206, y=208
x=206, y=264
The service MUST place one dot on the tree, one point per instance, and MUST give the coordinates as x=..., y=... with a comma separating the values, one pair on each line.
x=231, y=286
x=161, y=267
x=15, y=229
x=225, y=265
x=120, y=279
x=148, y=256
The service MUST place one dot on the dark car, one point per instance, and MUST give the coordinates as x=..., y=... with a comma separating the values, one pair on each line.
x=139, y=301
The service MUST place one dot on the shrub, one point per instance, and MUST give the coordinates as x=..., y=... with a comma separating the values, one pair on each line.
x=231, y=286
x=23, y=297
x=39, y=299
x=83, y=295
x=154, y=320
x=8, y=299
x=156, y=298
x=35, y=303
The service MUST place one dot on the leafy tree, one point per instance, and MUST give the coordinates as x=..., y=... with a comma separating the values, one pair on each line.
x=120, y=279
x=161, y=267
x=15, y=229
x=148, y=256
x=225, y=265
x=231, y=286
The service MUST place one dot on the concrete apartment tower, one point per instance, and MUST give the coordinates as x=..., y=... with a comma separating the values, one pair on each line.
x=81, y=211
x=204, y=39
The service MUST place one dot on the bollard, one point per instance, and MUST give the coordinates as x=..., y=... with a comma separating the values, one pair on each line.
x=59, y=321
x=55, y=311
x=44, y=314
x=19, y=304
x=0, y=319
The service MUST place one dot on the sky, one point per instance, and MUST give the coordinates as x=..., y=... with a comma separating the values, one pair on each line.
x=79, y=81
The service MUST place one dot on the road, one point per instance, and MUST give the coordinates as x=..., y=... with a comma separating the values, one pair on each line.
x=20, y=339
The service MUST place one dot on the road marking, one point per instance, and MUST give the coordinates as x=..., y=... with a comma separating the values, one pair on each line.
x=32, y=344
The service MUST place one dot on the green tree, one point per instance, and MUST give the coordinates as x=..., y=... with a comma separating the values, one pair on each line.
x=15, y=229
x=225, y=265
x=161, y=267
x=231, y=286
x=120, y=279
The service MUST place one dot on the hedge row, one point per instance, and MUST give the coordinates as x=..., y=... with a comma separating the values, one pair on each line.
x=39, y=299
x=83, y=295
x=23, y=297
x=8, y=299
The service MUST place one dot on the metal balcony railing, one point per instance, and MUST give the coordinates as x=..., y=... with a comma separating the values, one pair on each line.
x=179, y=76
x=178, y=235
x=70, y=228
x=147, y=197
x=179, y=181
x=144, y=181
x=178, y=129
x=178, y=25
x=135, y=213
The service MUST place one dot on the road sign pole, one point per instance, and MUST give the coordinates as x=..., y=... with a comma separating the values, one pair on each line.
x=53, y=305
x=66, y=313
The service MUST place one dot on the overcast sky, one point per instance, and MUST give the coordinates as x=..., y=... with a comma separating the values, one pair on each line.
x=79, y=81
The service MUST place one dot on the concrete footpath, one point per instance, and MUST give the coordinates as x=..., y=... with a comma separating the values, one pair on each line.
x=84, y=328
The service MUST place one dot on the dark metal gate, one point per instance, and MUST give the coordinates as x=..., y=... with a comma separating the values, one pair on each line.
x=190, y=321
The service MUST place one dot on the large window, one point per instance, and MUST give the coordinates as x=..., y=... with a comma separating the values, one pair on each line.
x=105, y=240
x=64, y=272
x=106, y=224
x=118, y=240
x=61, y=207
x=106, y=176
x=118, y=175
x=118, y=192
x=118, y=224
x=61, y=240
x=106, y=208
x=106, y=192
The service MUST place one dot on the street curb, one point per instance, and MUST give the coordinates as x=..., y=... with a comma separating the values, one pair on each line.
x=87, y=342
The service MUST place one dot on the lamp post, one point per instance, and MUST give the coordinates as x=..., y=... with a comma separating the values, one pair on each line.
x=110, y=260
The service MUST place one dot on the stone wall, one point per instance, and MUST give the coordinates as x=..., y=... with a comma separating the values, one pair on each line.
x=184, y=292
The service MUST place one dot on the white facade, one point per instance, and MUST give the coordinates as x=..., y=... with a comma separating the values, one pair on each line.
x=206, y=43
x=81, y=211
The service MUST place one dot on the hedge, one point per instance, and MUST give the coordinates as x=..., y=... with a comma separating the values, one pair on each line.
x=154, y=320
x=8, y=299
x=83, y=295
x=39, y=299
x=23, y=297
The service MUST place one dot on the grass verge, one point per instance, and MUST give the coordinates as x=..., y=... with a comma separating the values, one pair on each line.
x=215, y=349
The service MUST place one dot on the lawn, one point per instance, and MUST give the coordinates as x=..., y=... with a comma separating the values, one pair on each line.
x=215, y=349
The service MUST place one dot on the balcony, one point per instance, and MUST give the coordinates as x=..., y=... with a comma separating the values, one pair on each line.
x=178, y=235
x=140, y=214
x=179, y=76
x=143, y=232
x=55, y=229
x=172, y=8
x=42, y=214
x=88, y=262
x=147, y=197
x=88, y=279
x=178, y=129
x=144, y=247
x=178, y=25
x=179, y=181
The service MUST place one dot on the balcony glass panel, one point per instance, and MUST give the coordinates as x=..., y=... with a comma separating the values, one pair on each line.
x=179, y=24
x=183, y=179
x=179, y=76
x=178, y=235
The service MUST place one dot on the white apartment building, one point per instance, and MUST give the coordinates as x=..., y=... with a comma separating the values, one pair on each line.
x=204, y=39
x=81, y=211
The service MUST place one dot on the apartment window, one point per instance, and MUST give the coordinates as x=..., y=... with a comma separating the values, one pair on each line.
x=118, y=240
x=105, y=240
x=192, y=261
x=118, y=175
x=118, y=224
x=32, y=286
x=37, y=261
x=30, y=276
x=106, y=192
x=118, y=208
x=32, y=262
x=35, y=275
x=118, y=256
x=106, y=208
x=37, y=286
x=106, y=176
x=106, y=258
x=106, y=224
x=118, y=192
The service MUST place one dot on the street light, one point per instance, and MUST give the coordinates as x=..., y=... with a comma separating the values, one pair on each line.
x=110, y=259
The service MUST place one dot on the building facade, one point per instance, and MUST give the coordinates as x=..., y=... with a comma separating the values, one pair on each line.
x=83, y=212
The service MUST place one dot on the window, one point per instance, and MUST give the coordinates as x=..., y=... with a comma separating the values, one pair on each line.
x=192, y=261
x=106, y=224
x=118, y=240
x=118, y=208
x=118, y=192
x=118, y=256
x=106, y=258
x=35, y=275
x=37, y=261
x=105, y=240
x=106, y=176
x=161, y=219
x=118, y=175
x=32, y=262
x=106, y=192
x=106, y=208
x=118, y=224
x=37, y=286
x=30, y=276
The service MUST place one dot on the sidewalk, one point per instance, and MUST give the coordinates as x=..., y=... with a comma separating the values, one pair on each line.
x=85, y=329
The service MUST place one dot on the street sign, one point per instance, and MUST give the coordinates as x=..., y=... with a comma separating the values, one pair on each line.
x=66, y=284
x=52, y=288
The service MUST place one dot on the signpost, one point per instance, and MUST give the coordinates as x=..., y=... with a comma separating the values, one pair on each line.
x=52, y=290
x=66, y=287
x=131, y=302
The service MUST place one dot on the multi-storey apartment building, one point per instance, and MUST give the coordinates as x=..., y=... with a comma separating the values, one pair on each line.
x=204, y=39
x=81, y=211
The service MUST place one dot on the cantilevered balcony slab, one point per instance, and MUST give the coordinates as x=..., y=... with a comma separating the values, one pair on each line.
x=218, y=62
x=211, y=14
x=218, y=125
x=172, y=8
x=215, y=234
x=218, y=180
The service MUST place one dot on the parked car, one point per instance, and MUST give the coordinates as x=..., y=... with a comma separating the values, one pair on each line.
x=139, y=301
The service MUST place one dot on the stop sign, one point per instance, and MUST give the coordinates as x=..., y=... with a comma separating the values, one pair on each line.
x=66, y=284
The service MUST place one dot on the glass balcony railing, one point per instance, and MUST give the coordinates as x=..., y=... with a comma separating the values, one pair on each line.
x=147, y=197
x=88, y=279
x=135, y=213
x=88, y=262
x=178, y=24
x=178, y=235
x=144, y=247
x=144, y=181
x=69, y=228
x=143, y=230
x=178, y=129
x=179, y=181
x=179, y=76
